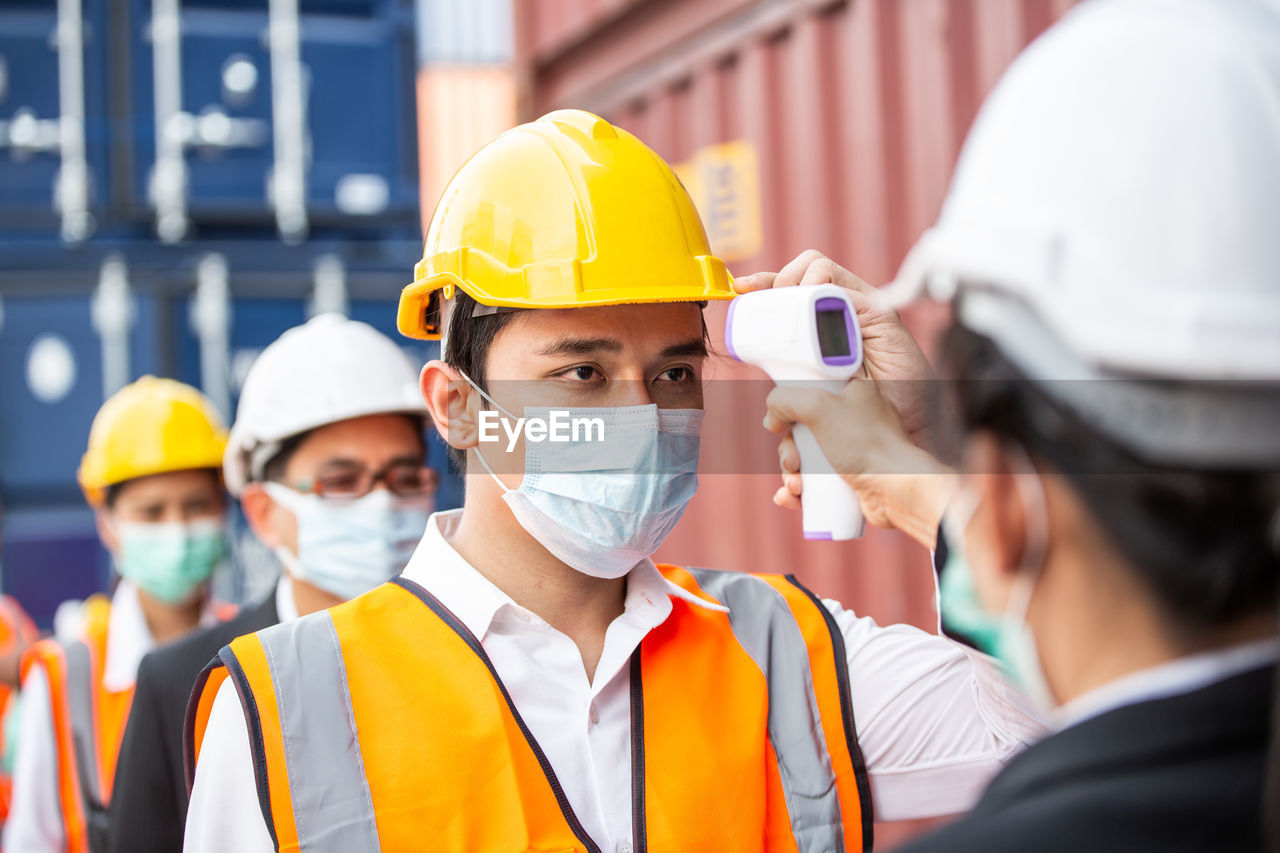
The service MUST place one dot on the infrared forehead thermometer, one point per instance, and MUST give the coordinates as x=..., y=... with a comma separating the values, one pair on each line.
x=806, y=336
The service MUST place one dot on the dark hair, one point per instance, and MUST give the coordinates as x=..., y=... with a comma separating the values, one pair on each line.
x=467, y=349
x=274, y=469
x=1200, y=541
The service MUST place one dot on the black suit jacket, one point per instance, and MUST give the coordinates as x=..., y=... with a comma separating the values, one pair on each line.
x=149, y=803
x=1178, y=774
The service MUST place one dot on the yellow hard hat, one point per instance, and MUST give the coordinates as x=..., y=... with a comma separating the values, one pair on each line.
x=564, y=212
x=150, y=427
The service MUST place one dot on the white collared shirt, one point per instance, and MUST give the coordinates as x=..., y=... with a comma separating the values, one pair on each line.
x=286, y=606
x=1174, y=678
x=935, y=722
x=35, y=815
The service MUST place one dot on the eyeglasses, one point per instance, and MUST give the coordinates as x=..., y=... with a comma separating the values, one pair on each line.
x=348, y=482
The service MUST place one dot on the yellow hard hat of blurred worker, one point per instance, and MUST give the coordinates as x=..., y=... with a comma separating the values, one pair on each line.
x=150, y=427
x=564, y=212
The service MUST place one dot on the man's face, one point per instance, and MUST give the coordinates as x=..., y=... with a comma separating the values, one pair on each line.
x=614, y=356
x=343, y=455
x=172, y=497
x=621, y=355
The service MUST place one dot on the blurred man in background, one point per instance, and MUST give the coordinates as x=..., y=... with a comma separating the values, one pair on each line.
x=327, y=457
x=152, y=473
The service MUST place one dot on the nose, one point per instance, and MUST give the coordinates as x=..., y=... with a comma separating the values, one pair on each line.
x=632, y=391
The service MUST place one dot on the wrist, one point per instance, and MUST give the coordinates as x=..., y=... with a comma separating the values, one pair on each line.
x=920, y=496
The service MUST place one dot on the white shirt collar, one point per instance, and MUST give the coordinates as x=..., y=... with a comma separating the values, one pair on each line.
x=478, y=603
x=286, y=604
x=128, y=639
x=1176, y=677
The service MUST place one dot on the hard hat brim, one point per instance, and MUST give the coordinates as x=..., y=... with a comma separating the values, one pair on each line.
x=419, y=310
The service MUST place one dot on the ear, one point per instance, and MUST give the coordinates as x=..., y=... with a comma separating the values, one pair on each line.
x=106, y=531
x=997, y=534
x=261, y=513
x=452, y=403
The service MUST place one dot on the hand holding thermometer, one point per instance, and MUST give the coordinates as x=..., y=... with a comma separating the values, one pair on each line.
x=806, y=336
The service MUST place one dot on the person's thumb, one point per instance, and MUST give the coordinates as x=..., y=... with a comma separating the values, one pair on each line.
x=789, y=404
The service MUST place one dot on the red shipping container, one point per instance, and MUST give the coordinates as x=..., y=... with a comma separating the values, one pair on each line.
x=845, y=120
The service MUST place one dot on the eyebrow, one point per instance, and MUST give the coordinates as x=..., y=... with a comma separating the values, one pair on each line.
x=694, y=348
x=345, y=462
x=580, y=346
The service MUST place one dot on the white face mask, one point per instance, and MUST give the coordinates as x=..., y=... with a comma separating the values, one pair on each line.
x=603, y=506
x=348, y=547
x=1006, y=637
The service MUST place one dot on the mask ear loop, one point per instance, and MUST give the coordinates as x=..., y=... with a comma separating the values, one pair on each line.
x=484, y=462
x=1036, y=511
x=955, y=521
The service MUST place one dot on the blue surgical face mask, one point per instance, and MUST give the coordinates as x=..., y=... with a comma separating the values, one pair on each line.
x=348, y=547
x=1007, y=637
x=601, y=506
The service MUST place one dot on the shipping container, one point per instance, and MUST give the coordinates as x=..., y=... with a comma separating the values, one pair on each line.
x=54, y=171
x=253, y=111
x=795, y=124
x=166, y=117
x=466, y=86
x=180, y=181
x=60, y=358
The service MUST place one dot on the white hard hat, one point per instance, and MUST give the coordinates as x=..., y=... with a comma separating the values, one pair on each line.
x=327, y=370
x=1116, y=213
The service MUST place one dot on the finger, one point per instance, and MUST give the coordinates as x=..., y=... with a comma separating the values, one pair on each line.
x=788, y=456
x=789, y=404
x=755, y=281
x=785, y=499
x=826, y=271
x=792, y=273
x=823, y=270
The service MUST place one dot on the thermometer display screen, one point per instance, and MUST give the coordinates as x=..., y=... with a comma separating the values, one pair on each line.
x=833, y=334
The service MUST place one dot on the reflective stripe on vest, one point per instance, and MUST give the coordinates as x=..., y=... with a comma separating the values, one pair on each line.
x=376, y=724
x=88, y=724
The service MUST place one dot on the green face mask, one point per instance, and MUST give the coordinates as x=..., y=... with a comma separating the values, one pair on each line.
x=1004, y=636
x=169, y=561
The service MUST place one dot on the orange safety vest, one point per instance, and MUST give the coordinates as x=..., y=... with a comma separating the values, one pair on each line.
x=16, y=628
x=381, y=724
x=88, y=725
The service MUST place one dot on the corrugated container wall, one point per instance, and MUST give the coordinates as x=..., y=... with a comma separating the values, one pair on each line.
x=466, y=86
x=795, y=124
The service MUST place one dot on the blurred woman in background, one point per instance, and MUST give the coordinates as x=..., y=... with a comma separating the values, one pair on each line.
x=1113, y=534
x=152, y=473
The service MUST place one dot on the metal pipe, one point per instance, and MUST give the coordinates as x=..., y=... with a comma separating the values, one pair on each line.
x=329, y=292
x=71, y=189
x=169, y=176
x=289, y=112
x=112, y=315
x=211, y=321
